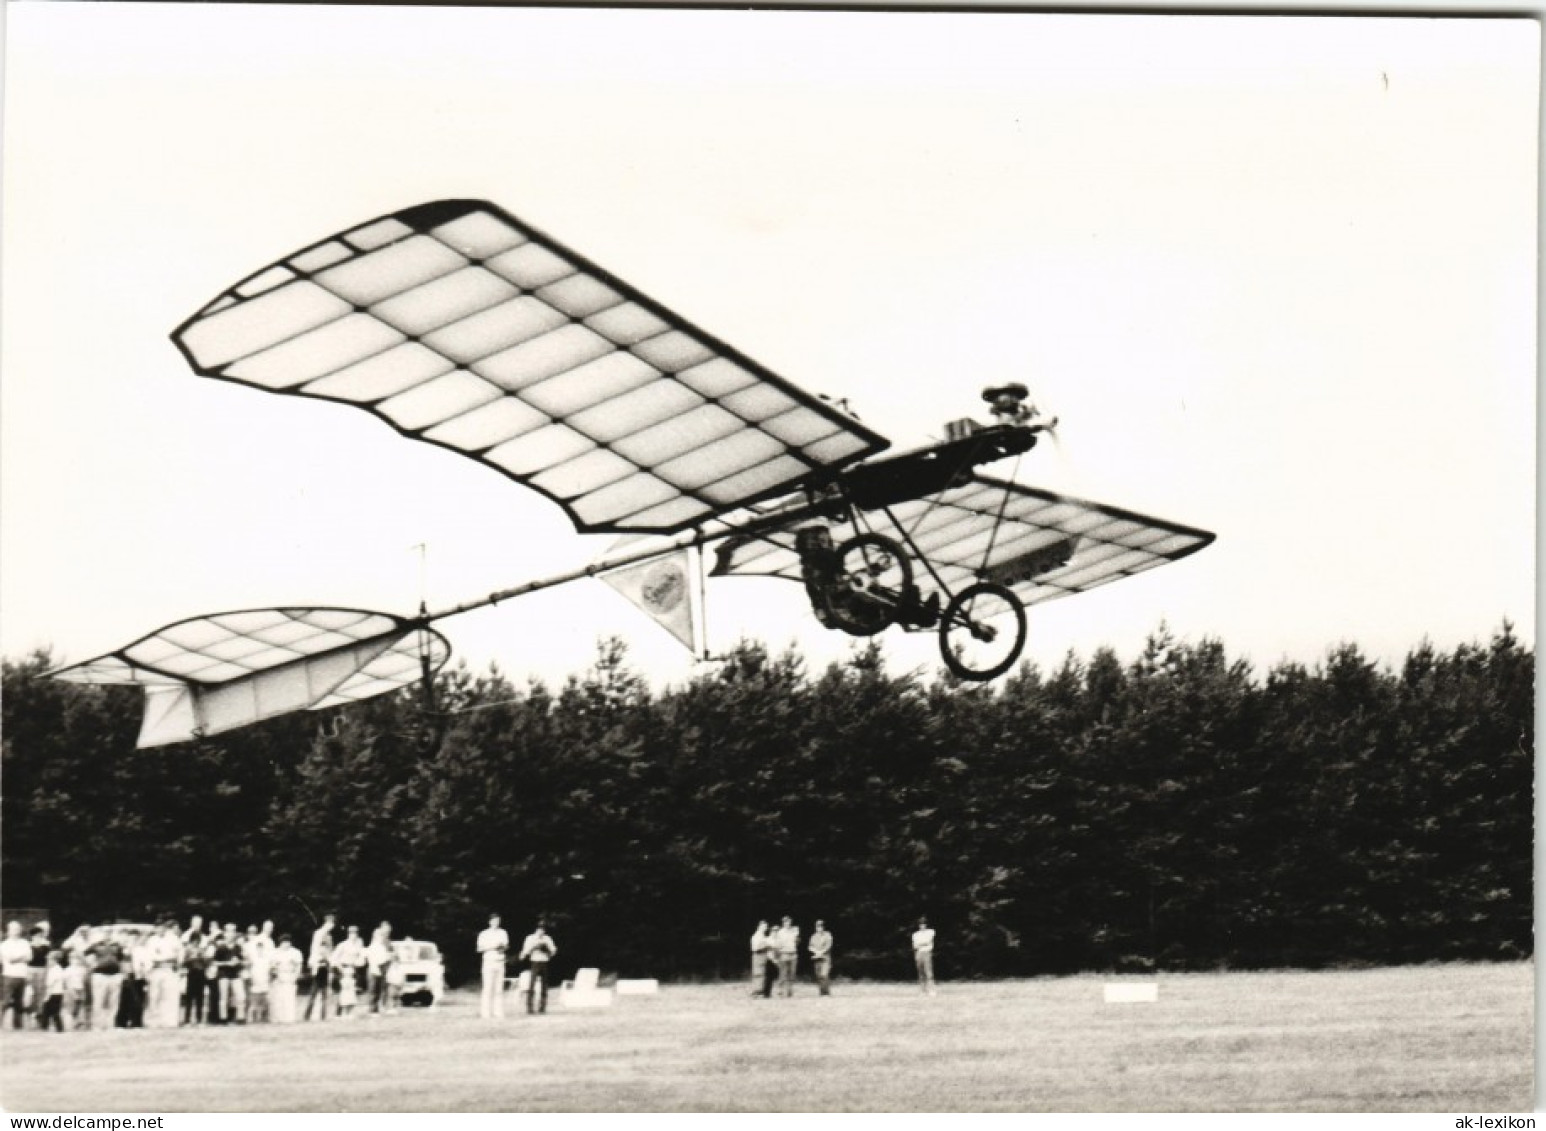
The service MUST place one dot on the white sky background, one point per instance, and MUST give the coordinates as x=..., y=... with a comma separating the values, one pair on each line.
x=1276, y=276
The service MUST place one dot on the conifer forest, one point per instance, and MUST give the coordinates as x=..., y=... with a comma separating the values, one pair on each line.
x=1180, y=811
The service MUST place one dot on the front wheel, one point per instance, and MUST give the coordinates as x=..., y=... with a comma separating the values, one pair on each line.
x=982, y=631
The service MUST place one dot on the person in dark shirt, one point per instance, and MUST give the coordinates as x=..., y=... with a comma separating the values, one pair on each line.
x=37, y=970
x=131, y=995
x=537, y=951
x=195, y=961
x=227, y=962
x=319, y=961
x=106, y=958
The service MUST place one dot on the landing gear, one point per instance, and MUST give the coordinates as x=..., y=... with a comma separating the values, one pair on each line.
x=866, y=585
x=862, y=586
x=982, y=631
x=875, y=579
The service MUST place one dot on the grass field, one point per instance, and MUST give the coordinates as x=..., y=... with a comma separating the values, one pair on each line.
x=1441, y=1038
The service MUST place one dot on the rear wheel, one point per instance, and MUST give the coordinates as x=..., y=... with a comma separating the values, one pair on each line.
x=982, y=631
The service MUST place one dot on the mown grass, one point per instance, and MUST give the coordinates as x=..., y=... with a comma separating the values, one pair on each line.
x=1440, y=1038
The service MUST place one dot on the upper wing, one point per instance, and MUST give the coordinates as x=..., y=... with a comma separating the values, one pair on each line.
x=212, y=674
x=460, y=325
x=1045, y=545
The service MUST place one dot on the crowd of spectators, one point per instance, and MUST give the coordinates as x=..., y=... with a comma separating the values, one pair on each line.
x=164, y=976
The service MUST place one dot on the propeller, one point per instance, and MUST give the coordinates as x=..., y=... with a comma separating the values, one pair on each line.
x=1011, y=403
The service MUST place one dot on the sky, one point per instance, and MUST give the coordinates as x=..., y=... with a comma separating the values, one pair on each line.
x=1275, y=275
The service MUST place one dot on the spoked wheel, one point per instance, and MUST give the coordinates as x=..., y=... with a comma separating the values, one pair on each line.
x=873, y=580
x=874, y=566
x=982, y=631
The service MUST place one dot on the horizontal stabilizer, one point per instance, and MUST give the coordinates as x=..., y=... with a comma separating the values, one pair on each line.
x=213, y=674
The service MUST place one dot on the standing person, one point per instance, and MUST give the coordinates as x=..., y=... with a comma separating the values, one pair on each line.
x=395, y=978
x=923, y=956
x=79, y=940
x=245, y=944
x=136, y=978
x=493, y=947
x=770, y=963
x=53, y=993
x=821, y=958
x=37, y=966
x=226, y=962
x=378, y=959
x=786, y=944
x=195, y=959
x=106, y=958
x=348, y=957
x=318, y=960
x=762, y=943
x=77, y=994
x=361, y=970
x=80, y=972
x=288, y=963
x=259, y=966
x=165, y=951
x=537, y=951
x=15, y=971
x=346, y=986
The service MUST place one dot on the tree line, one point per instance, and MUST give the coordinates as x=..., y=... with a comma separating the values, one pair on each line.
x=1175, y=812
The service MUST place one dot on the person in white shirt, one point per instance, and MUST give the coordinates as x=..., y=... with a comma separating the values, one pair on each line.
x=288, y=963
x=378, y=961
x=15, y=959
x=77, y=991
x=493, y=946
x=164, y=954
x=258, y=968
x=821, y=958
x=536, y=952
x=52, y=1012
x=762, y=948
x=923, y=955
x=348, y=958
x=396, y=976
x=786, y=944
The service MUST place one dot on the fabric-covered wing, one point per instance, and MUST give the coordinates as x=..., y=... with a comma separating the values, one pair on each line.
x=1047, y=545
x=213, y=674
x=461, y=326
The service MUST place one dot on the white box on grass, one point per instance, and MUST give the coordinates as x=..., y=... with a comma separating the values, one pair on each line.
x=1131, y=991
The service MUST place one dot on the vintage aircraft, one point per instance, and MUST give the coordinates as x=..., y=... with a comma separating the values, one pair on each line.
x=461, y=326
